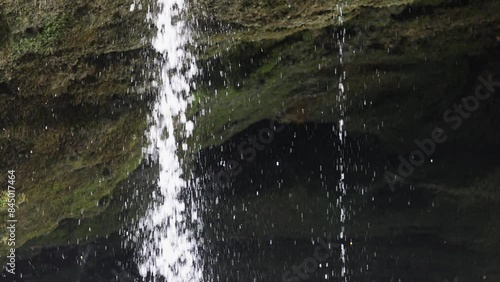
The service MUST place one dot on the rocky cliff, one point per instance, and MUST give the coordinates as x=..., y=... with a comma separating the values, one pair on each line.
x=74, y=91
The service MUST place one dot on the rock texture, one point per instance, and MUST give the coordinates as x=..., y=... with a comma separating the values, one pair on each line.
x=406, y=62
x=72, y=107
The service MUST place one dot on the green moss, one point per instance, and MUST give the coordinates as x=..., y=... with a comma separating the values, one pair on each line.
x=50, y=34
x=72, y=169
x=5, y=32
x=4, y=199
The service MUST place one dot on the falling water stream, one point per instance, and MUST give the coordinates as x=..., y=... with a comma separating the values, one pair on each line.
x=167, y=246
x=342, y=188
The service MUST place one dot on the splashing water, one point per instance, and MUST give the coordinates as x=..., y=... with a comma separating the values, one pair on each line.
x=167, y=247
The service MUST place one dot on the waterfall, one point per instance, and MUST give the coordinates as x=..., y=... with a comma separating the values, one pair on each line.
x=167, y=247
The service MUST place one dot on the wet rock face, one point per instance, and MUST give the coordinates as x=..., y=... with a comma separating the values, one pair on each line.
x=87, y=51
x=273, y=205
x=405, y=63
x=72, y=108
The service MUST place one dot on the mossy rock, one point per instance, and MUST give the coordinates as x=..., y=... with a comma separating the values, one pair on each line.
x=67, y=171
x=400, y=61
